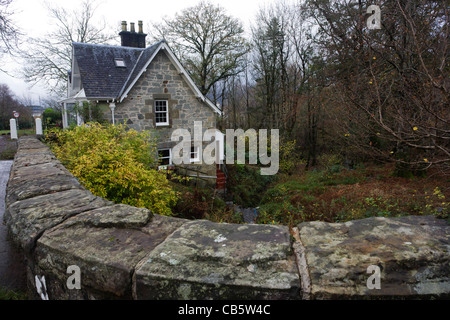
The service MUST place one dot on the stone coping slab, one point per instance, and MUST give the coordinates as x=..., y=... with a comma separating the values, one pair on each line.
x=412, y=254
x=206, y=260
x=29, y=218
x=106, y=244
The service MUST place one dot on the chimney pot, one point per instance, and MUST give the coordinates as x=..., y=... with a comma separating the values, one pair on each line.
x=131, y=38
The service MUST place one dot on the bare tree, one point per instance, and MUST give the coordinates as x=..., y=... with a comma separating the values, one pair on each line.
x=391, y=83
x=8, y=104
x=209, y=43
x=270, y=64
x=9, y=34
x=49, y=58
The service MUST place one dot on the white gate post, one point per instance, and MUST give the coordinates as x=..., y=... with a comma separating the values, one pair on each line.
x=38, y=126
x=13, y=127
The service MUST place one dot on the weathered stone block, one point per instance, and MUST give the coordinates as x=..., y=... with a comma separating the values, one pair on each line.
x=36, y=156
x=205, y=260
x=36, y=187
x=35, y=174
x=106, y=244
x=30, y=142
x=29, y=218
x=411, y=252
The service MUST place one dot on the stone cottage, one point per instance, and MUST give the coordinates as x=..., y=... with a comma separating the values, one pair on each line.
x=145, y=87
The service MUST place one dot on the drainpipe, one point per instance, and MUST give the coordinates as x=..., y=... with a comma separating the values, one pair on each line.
x=112, y=106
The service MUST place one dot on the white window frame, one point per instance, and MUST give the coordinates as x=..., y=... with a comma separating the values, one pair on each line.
x=164, y=166
x=120, y=63
x=195, y=152
x=166, y=123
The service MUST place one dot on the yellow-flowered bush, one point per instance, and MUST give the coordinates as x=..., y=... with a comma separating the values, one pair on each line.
x=116, y=164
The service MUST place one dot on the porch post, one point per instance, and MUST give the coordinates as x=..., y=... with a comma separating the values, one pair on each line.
x=112, y=106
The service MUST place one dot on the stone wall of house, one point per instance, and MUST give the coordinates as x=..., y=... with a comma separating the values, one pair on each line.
x=162, y=81
x=123, y=252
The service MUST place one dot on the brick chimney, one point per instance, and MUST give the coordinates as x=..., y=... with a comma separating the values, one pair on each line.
x=132, y=38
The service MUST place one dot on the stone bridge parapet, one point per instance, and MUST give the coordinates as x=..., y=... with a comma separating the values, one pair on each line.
x=123, y=252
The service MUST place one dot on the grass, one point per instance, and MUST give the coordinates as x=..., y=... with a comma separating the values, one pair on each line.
x=8, y=153
x=6, y=294
x=20, y=132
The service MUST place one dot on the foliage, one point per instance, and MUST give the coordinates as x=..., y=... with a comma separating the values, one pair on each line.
x=90, y=112
x=8, y=104
x=193, y=204
x=203, y=203
x=346, y=195
x=116, y=164
x=290, y=160
x=247, y=185
x=436, y=204
x=330, y=161
x=280, y=213
x=51, y=117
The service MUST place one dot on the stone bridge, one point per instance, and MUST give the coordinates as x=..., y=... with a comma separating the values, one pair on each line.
x=123, y=252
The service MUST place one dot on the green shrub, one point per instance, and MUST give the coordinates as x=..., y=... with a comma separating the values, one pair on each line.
x=330, y=161
x=51, y=117
x=116, y=164
x=282, y=212
x=290, y=161
x=247, y=185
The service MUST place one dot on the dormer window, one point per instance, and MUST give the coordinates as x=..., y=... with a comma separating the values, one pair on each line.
x=120, y=63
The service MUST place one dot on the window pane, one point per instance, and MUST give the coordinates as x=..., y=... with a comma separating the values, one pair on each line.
x=164, y=162
x=194, y=153
x=161, y=117
x=164, y=153
x=164, y=157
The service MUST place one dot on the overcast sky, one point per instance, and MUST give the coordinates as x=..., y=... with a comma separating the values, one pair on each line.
x=31, y=18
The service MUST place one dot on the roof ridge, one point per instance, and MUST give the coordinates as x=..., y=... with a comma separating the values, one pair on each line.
x=130, y=74
x=107, y=45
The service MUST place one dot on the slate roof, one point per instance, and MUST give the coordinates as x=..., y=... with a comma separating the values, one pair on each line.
x=100, y=76
x=102, y=80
